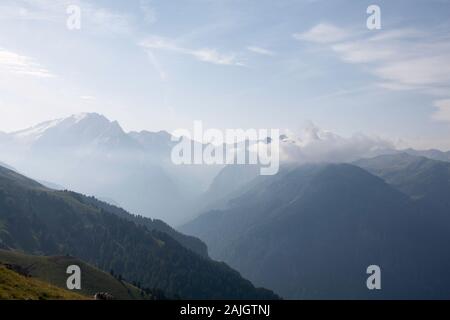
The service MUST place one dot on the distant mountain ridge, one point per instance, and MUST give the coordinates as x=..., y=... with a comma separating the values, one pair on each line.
x=90, y=128
x=419, y=177
x=311, y=231
x=4, y=165
x=90, y=154
x=433, y=154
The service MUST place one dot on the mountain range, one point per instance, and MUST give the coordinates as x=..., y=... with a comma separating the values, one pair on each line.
x=311, y=231
x=337, y=206
x=423, y=179
x=41, y=221
x=136, y=171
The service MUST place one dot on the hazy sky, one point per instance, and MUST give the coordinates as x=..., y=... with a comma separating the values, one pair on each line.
x=231, y=63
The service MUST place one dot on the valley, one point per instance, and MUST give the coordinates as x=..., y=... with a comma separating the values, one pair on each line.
x=38, y=220
x=311, y=231
x=308, y=232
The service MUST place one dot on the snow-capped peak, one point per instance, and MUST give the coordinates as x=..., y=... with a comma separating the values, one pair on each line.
x=35, y=132
x=80, y=116
x=82, y=126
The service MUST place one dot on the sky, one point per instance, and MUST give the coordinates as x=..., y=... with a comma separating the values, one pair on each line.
x=160, y=65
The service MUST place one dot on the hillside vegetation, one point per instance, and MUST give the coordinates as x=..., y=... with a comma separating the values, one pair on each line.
x=311, y=231
x=14, y=286
x=52, y=270
x=37, y=220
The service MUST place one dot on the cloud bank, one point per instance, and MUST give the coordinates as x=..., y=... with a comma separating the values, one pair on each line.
x=316, y=145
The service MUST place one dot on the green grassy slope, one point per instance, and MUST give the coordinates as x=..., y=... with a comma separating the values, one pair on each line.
x=14, y=286
x=53, y=271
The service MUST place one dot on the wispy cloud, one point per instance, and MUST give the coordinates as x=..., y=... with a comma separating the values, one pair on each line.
x=363, y=51
x=95, y=19
x=204, y=54
x=87, y=98
x=23, y=11
x=101, y=20
x=159, y=69
x=260, y=50
x=323, y=33
x=417, y=72
x=22, y=65
x=402, y=59
x=443, y=110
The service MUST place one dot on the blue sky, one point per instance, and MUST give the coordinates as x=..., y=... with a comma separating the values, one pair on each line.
x=232, y=64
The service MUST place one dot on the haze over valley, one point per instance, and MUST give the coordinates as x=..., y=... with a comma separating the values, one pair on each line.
x=224, y=150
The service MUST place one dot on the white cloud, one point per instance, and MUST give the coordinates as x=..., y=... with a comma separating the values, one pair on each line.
x=260, y=50
x=394, y=86
x=362, y=52
x=404, y=33
x=316, y=145
x=402, y=59
x=22, y=65
x=157, y=42
x=443, y=110
x=212, y=56
x=101, y=20
x=323, y=33
x=421, y=71
x=204, y=54
x=21, y=11
x=159, y=69
x=87, y=98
